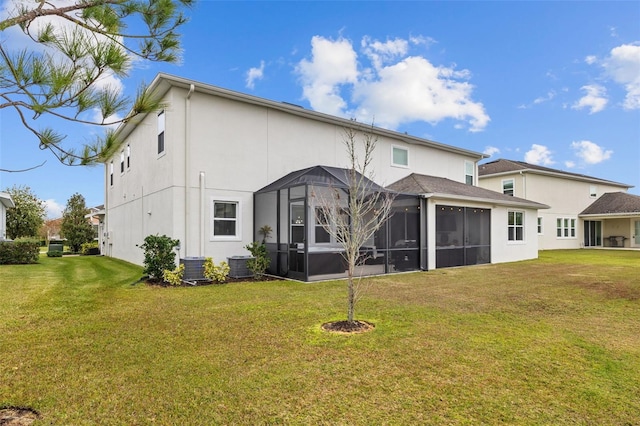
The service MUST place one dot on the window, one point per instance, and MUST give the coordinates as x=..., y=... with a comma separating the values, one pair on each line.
x=399, y=156
x=322, y=235
x=128, y=156
x=508, y=187
x=566, y=227
x=122, y=162
x=539, y=226
x=226, y=224
x=593, y=191
x=111, y=173
x=469, y=172
x=516, y=226
x=161, y=132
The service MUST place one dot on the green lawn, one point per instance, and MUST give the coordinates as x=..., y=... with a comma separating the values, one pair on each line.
x=552, y=341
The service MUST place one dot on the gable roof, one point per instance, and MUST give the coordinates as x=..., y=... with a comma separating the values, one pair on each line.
x=319, y=175
x=432, y=186
x=5, y=200
x=614, y=203
x=163, y=82
x=505, y=167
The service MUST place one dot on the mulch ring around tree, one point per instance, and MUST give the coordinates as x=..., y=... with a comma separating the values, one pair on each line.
x=17, y=416
x=348, y=327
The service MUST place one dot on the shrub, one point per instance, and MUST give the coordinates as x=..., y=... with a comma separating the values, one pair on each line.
x=20, y=251
x=89, y=248
x=159, y=255
x=174, y=277
x=260, y=262
x=217, y=273
x=54, y=253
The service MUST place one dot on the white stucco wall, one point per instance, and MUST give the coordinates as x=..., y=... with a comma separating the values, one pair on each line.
x=227, y=149
x=3, y=222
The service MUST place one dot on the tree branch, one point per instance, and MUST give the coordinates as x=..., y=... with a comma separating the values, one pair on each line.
x=23, y=170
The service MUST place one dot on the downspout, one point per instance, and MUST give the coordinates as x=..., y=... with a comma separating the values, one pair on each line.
x=524, y=184
x=187, y=165
x=202, y=209
x=104, y=250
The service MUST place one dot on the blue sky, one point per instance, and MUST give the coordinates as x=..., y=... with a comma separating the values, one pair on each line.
x=551, y=83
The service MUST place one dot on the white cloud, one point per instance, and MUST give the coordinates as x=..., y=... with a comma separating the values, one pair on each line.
x=538, y=154
x=380, y=53
x=623, y=65
x=590, y=152
x=255, y=74
x=491, y=150
x=591, y=59
x=332, y=64
x=595, y=98
x=550, y=95
x=53, y=209
x=396, y=89
x=569, y=164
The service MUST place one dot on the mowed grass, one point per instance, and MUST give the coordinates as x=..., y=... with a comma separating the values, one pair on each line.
x=550, y=341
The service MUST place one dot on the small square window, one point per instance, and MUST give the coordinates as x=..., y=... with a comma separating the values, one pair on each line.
x=399, y=156
x=225, y=219
x=508, y=187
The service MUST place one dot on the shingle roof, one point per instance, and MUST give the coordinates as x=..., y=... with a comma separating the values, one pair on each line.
x=442, y=187
x=614, y=203
x=501, y=166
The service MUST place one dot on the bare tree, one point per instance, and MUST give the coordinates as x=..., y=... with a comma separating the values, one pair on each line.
x=353, y=215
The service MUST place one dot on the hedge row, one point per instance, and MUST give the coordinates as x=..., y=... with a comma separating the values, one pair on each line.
x=19, y=251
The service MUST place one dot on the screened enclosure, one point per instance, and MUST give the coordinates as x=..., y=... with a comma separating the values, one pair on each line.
x=463, y=236
x=301, y=245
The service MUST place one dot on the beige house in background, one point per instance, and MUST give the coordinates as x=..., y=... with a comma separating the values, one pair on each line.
x=584, y=211
x=5, y=203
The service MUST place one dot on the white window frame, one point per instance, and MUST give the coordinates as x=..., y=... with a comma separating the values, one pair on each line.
x=161, y=132
x=593, y=191
x=128, y=156
x=513, y=186
x=540, y=227
x=470, y=166
x=401, y=148
x=567, y=228
x=238, y=219
x=122, y=162
x=111, y=173
x=516, y=227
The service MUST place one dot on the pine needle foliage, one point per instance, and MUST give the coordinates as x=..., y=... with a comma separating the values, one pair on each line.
x=76, y=47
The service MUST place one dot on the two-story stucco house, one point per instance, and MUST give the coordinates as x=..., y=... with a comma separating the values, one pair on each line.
x=5, y=203
x=214, y=166
x=584, y=211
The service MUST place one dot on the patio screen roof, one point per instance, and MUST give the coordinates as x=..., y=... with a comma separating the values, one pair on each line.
x=334, y=177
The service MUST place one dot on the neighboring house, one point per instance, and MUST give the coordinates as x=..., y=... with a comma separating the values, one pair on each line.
x=51, y=229
x=579, y=215
x=5, y=203
x=96, y=219
x=214, y=166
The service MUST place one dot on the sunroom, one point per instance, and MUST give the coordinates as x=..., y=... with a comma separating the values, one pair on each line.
x=301, y=247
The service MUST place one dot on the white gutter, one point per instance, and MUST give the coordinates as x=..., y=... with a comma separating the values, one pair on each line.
x=525, y=203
